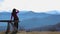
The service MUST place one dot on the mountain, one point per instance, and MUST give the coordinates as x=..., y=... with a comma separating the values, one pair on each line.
x=55, y=27
x=30, y=20
x=54, y=12
x=40, y=22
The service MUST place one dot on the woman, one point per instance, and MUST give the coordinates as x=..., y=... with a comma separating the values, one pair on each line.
x=15, y=18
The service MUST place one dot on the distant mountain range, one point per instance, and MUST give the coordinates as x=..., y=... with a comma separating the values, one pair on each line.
x=32, y=21
x=55, y=27
x=56, y=12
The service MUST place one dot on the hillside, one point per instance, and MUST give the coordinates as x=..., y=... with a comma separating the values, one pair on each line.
x=34, y=32
x=30, y=20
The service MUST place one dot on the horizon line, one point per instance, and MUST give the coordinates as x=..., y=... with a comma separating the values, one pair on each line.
x=30, y=10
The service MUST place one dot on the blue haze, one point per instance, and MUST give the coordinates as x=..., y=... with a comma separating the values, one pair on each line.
x=31, y=19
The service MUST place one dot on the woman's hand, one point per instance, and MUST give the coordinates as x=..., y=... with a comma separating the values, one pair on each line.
x=17, y=11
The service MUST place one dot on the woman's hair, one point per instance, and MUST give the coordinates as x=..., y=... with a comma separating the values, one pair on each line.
x=13, y=11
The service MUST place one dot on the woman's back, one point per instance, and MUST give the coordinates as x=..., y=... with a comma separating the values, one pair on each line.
x=14, y=15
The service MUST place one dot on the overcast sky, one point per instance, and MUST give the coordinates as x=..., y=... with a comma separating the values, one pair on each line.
x=34, y=5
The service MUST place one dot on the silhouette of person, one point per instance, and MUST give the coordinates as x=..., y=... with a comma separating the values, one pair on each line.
x=15, y=18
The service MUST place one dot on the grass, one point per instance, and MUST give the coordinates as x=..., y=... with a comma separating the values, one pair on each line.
x=34, y=32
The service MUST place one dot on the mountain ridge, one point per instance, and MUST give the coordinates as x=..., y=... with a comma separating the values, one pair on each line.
x=31, y=20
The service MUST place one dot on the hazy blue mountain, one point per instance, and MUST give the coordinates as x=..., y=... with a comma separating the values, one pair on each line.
x=30, y=20
x=54, y=12
x=55, y=27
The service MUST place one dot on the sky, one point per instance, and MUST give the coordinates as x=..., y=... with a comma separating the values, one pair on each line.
x=30, y=5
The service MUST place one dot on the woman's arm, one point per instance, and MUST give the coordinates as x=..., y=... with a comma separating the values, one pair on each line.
x=17, y=11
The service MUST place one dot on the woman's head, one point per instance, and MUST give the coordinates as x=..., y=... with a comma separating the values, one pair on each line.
x=14, y=10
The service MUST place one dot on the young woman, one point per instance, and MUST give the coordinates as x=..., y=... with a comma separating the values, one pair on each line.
x=15, y=17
